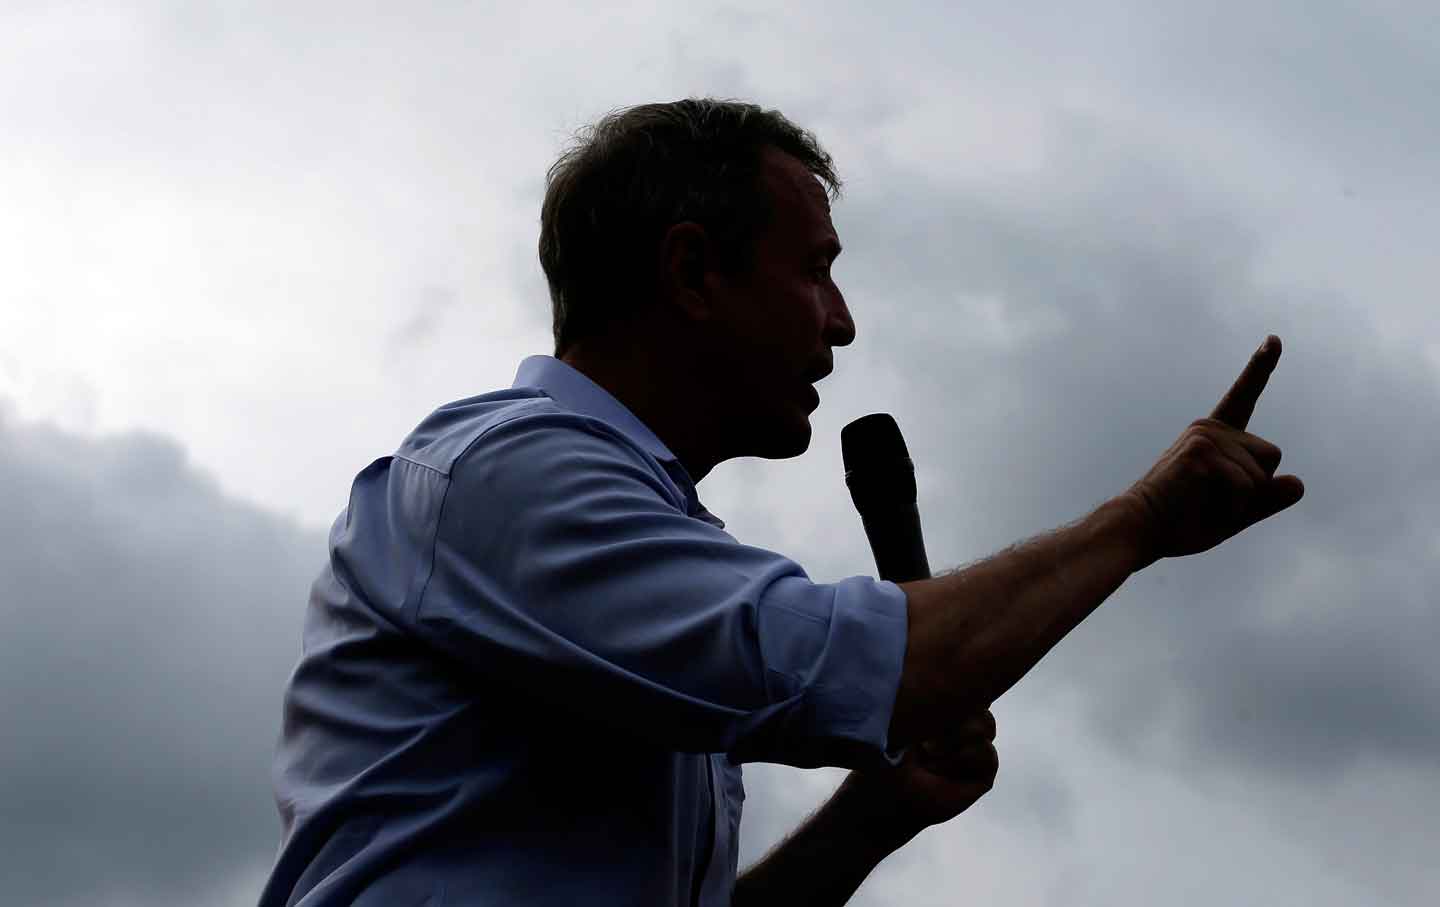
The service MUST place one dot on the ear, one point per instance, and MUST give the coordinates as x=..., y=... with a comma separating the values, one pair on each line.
x=686, y=260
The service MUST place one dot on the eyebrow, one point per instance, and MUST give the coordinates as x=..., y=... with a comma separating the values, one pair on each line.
x=831, y=246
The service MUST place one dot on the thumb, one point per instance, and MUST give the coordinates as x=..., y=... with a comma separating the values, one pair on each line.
x=1281, y=492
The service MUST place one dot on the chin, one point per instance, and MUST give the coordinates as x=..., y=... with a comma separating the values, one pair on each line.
x=791, y=441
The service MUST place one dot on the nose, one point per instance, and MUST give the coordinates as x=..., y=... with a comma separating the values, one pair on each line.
x=839, y=325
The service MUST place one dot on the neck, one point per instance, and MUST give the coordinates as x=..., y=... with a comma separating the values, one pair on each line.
x=660, y=390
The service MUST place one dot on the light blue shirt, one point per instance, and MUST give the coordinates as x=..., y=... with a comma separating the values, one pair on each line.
x=535, y=662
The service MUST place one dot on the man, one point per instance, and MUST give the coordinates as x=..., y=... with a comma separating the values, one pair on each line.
x=535, y=662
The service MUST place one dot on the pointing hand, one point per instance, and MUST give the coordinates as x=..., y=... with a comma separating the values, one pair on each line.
x=1216, y=479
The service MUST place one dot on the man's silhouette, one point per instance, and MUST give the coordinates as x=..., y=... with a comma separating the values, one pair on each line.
x=534, y=662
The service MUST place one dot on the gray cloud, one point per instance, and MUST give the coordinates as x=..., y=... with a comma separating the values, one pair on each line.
x=423, y=322
x=1065, y=234
x=1124, y=311
x=1041, y=343
x=148, y=624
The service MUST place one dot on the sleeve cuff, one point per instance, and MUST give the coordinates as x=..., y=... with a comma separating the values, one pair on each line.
x=838, y=711
x=853, y=696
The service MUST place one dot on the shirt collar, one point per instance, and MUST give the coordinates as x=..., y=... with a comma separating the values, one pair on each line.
x=574, y=390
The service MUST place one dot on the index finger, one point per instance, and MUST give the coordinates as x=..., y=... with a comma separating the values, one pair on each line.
x=1238, y=404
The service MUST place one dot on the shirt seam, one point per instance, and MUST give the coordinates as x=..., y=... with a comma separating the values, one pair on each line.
x=435, y=469
x=440, y=514
x=779, y=606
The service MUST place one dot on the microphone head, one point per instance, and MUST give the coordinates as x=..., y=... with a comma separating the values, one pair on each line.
x=872, y=439
x=881, y=480
x=878, y=470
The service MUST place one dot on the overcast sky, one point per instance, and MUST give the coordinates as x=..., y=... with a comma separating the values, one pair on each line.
x=245, y=248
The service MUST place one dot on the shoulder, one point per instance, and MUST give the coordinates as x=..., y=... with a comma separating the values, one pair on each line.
x=443, y=437
x=528, y=444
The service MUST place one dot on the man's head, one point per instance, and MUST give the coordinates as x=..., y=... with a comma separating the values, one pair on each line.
x=703, y=226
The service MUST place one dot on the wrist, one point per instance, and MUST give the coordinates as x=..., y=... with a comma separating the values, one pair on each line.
x=1132, y=524
x=867, y=804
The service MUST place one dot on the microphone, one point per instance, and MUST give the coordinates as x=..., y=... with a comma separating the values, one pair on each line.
x=881, y=478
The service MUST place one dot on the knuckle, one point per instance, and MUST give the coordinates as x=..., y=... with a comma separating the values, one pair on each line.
x=1200, y=445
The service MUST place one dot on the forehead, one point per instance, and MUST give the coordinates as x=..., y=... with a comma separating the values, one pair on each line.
x=798, y=196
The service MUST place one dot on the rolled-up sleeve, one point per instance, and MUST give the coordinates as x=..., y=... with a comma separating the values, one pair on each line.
x=566, y=569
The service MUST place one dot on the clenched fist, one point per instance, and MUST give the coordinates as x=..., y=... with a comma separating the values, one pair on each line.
x=937, y=780
x=1216, y=479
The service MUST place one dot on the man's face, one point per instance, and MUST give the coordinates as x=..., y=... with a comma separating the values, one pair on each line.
x=779, y=322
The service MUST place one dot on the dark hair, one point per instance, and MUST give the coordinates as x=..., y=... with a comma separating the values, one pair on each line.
x=628, y=178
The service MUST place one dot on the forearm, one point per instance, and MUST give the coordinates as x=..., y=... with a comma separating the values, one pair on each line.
x=825, y=860
x=974, y=632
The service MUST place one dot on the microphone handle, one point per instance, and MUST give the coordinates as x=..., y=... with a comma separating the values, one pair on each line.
x=899, y=557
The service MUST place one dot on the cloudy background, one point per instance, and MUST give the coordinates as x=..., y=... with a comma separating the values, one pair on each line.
x=245, y=247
